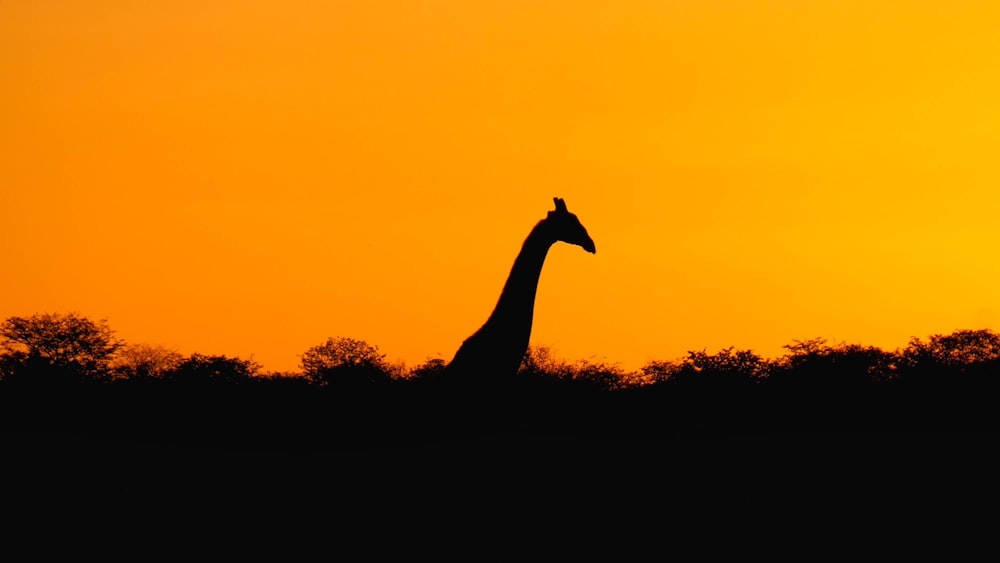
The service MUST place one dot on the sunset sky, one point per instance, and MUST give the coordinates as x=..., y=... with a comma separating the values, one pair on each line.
x=250, y=177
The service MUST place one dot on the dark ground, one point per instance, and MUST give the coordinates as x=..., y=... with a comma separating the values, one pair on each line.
x=849, y=485
x=493, y=492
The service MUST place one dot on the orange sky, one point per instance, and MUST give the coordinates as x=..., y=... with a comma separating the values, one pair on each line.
x=249, y=177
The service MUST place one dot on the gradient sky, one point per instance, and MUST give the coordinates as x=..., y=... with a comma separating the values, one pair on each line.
x=249, y=177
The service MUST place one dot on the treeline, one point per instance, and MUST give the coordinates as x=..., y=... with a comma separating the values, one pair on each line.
x=69, y=348
x=65, y=370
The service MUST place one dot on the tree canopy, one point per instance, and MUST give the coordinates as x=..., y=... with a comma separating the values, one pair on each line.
x=343, y=360
x=65, y=342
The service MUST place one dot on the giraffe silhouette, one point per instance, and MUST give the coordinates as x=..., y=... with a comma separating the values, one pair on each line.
x=495, y=351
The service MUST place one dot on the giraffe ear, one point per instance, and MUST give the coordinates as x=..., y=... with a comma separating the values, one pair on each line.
x=560, y=204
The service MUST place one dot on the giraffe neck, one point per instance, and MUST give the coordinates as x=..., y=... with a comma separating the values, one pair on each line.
x=515, y=308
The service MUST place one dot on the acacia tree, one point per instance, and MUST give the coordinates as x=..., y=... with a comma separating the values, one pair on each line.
x=200, y=369
x=727, y=367
x=345, y=361
x=813, y=362
x=960, y=348
x=144, y=361
x=958, y=358
x=67, y=344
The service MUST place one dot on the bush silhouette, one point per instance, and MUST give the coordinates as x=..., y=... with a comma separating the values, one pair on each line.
x=430, y=370
x=345, y=362
x=137, y=362
x=202, y=369
x=729, y=368
x=963, y=357
x=814, y=364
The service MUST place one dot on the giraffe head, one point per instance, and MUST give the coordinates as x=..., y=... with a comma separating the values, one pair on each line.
x=567, y=228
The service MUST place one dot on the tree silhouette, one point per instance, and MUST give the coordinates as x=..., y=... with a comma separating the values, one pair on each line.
x=944, y=361
x=659, y=371
x=962, y=347
x=66, y=347
x=727, y=368
x=600, y=375
x=144, y=361
x=431, y=369
x=208, y=369
x=346, y=361
x=815, y=364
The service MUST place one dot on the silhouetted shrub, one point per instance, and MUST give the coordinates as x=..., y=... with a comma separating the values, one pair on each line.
x=599, y=375
x=432, y=369
x=347, y=362
x=813, y=364
x=961, y=358
x=729, y=368
x=207, y=369
x=659, y=371
x=962, y=347
x=143, y=361
x=540, y=362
